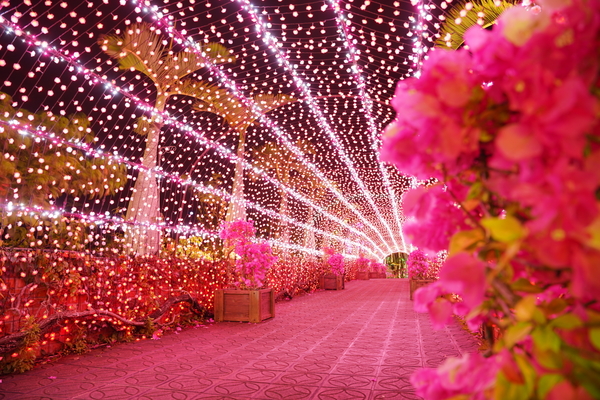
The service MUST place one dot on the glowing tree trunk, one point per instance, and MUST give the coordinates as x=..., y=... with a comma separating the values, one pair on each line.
x=237, y=207
x=144, y=237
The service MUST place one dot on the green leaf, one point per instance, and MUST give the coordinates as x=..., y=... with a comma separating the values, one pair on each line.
x=506, y=389
x=505, y=230
x=566, y=321
x=546, y=383
x=545, y=338
x=555, y=306
x=523, y=285
x=528, y=371
x=595, y=337
x=516, y=333
x=548, y=359
x=463, y=240
x=525, y=308
x=475, y=190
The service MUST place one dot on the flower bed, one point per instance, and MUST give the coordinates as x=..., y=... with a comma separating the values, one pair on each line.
x=67, y=301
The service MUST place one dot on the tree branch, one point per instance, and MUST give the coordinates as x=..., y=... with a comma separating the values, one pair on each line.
x=9, y=342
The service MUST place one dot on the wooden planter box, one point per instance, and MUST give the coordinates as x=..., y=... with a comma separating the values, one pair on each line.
x=417, y=283
x=377, y=275
x=363, y=276
x=332, y=281
x=244, y=305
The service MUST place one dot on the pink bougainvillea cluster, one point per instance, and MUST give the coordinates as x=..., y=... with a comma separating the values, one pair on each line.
x=254, y=259
x=236, y=232
x=363, y=264
x=418, y=265
x=334, y=261
x=509, y=129
x=378, y=267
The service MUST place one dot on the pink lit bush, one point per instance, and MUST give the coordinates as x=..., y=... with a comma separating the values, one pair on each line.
x=509, y=129
x=418, y=265
x=334, y=261
x=103, y=300
x=378, y=267
x=254, y=259
x=362, y=264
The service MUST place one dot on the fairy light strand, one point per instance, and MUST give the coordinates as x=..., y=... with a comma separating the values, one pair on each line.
x=272, y=44
x=97, y=79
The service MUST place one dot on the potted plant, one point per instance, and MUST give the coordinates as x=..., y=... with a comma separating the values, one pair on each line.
x=378, y=270
x=334, y=275
x=245, y=300
x=362, y=265
x=419, y=271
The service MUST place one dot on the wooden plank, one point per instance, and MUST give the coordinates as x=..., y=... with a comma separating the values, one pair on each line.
x=219, y=305
x=272, y=303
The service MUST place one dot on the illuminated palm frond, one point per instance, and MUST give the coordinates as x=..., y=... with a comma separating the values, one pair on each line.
x=467, y=14
x=142, y=48
x=237, y=115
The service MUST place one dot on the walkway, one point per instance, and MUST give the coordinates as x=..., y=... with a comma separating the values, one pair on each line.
x=359, y=343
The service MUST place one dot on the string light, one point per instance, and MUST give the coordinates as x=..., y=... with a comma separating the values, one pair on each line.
x=303, y=49
x=187, y=129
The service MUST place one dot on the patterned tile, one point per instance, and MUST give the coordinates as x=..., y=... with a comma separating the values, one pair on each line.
x=256, y=375
x=237, y=389
x=312, y=367
x=114, y=392
x=188, y=383
x=288, y=392
x=365, y=346
x=398, y=383
x=350, y=381
x=355, y=369
x=341, y=394
x=390, y=395
x=301, y=378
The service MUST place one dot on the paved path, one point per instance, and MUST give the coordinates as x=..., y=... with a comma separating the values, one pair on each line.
x=359, y=343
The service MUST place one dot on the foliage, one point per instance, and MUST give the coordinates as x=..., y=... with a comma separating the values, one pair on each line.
x=254, y=259
x=418, y=265
x=378, y=267
x=336, y=263
x=363, y=264
x=196, y=248
x=143, y=48
x=510, y=131
x=23, y=359
x=397, y=264
x=132, y=288
x=47, y=174
x=466, y=14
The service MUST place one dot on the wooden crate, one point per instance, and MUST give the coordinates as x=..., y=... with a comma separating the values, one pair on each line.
x=417, y=283
x=363, y=276
x=377, y=275
x=332, y=281
x=244, y=305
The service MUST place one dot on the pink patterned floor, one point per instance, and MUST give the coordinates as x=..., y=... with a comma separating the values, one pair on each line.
x=359, y=343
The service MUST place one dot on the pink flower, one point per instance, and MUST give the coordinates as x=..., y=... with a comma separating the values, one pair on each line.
x=464, y=275
x=472, y=374
x=418, y=265
x=336, y=262
x=362, y=264
x=430, y=116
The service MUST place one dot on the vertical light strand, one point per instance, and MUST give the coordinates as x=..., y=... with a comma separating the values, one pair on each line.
x=230, y=84
x=282, y=57
x=352, y=57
